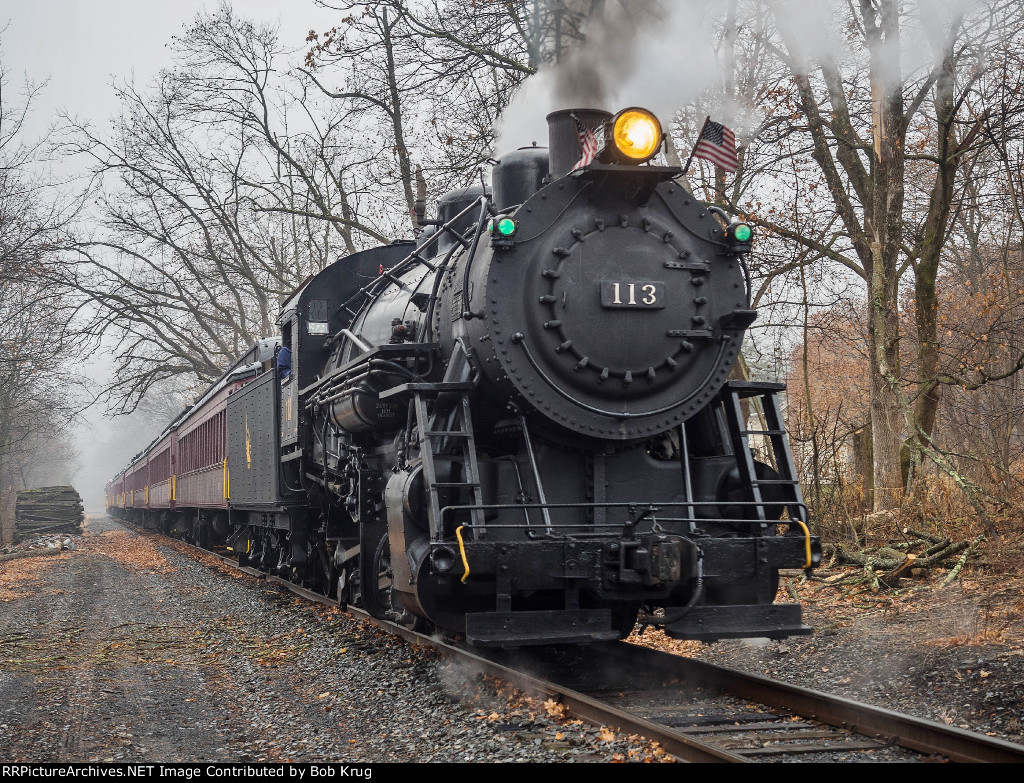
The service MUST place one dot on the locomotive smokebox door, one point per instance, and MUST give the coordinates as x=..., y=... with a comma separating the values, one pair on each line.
x=625, y=323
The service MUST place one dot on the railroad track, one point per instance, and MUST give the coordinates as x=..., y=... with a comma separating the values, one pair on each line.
x=699, y=712
x=702, y=712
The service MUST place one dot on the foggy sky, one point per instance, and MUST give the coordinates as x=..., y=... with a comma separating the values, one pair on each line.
x=79, y=47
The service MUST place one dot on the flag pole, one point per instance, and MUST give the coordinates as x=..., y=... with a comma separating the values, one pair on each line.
x=700, y=135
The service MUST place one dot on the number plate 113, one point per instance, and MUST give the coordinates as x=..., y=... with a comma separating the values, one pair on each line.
x=641, y=294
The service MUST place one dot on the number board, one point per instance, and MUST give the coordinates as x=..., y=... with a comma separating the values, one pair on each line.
x=637, y=294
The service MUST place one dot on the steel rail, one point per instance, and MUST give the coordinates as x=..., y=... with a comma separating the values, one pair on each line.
x=905, y=731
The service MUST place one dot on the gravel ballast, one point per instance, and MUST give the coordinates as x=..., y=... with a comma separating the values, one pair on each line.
x=119, y=646
x=125, y=649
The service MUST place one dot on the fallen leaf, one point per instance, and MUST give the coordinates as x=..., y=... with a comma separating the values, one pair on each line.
x=554, y=709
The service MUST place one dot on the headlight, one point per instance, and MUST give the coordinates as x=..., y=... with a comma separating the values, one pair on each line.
x=635, y=135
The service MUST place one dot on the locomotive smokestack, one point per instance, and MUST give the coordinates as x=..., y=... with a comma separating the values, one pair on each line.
x=564, y=138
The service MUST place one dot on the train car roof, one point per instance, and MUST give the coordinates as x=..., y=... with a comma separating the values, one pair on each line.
x=261, y=351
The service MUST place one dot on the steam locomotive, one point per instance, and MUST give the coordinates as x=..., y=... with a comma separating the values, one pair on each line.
x=521, y=428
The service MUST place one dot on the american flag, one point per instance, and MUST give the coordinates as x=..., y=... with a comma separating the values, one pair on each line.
x=718, y=144
x=588, y=143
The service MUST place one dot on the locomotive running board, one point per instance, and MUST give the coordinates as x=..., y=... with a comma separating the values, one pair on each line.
x=523, y=629
x=709, y=623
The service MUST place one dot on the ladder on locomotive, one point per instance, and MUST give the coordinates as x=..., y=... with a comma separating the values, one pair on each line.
x=767, y=395
x=438, y=429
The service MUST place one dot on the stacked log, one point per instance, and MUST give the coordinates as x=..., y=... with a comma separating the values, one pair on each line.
x=47, y=510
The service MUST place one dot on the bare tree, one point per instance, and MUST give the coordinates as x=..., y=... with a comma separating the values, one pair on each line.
x=231, y=177
x=37, y=399
x=220, y=189
x=874, y=146
x=434, y=76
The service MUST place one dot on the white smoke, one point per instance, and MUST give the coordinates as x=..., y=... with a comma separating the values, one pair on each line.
x=656, y=55
x=818, y=31
x=665, y=56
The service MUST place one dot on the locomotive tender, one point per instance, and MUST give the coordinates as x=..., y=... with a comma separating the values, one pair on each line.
x=520, y=428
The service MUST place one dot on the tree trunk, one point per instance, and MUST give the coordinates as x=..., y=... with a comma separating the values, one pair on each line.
x=886, y=441
x=884, y=224
x=863, y=465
